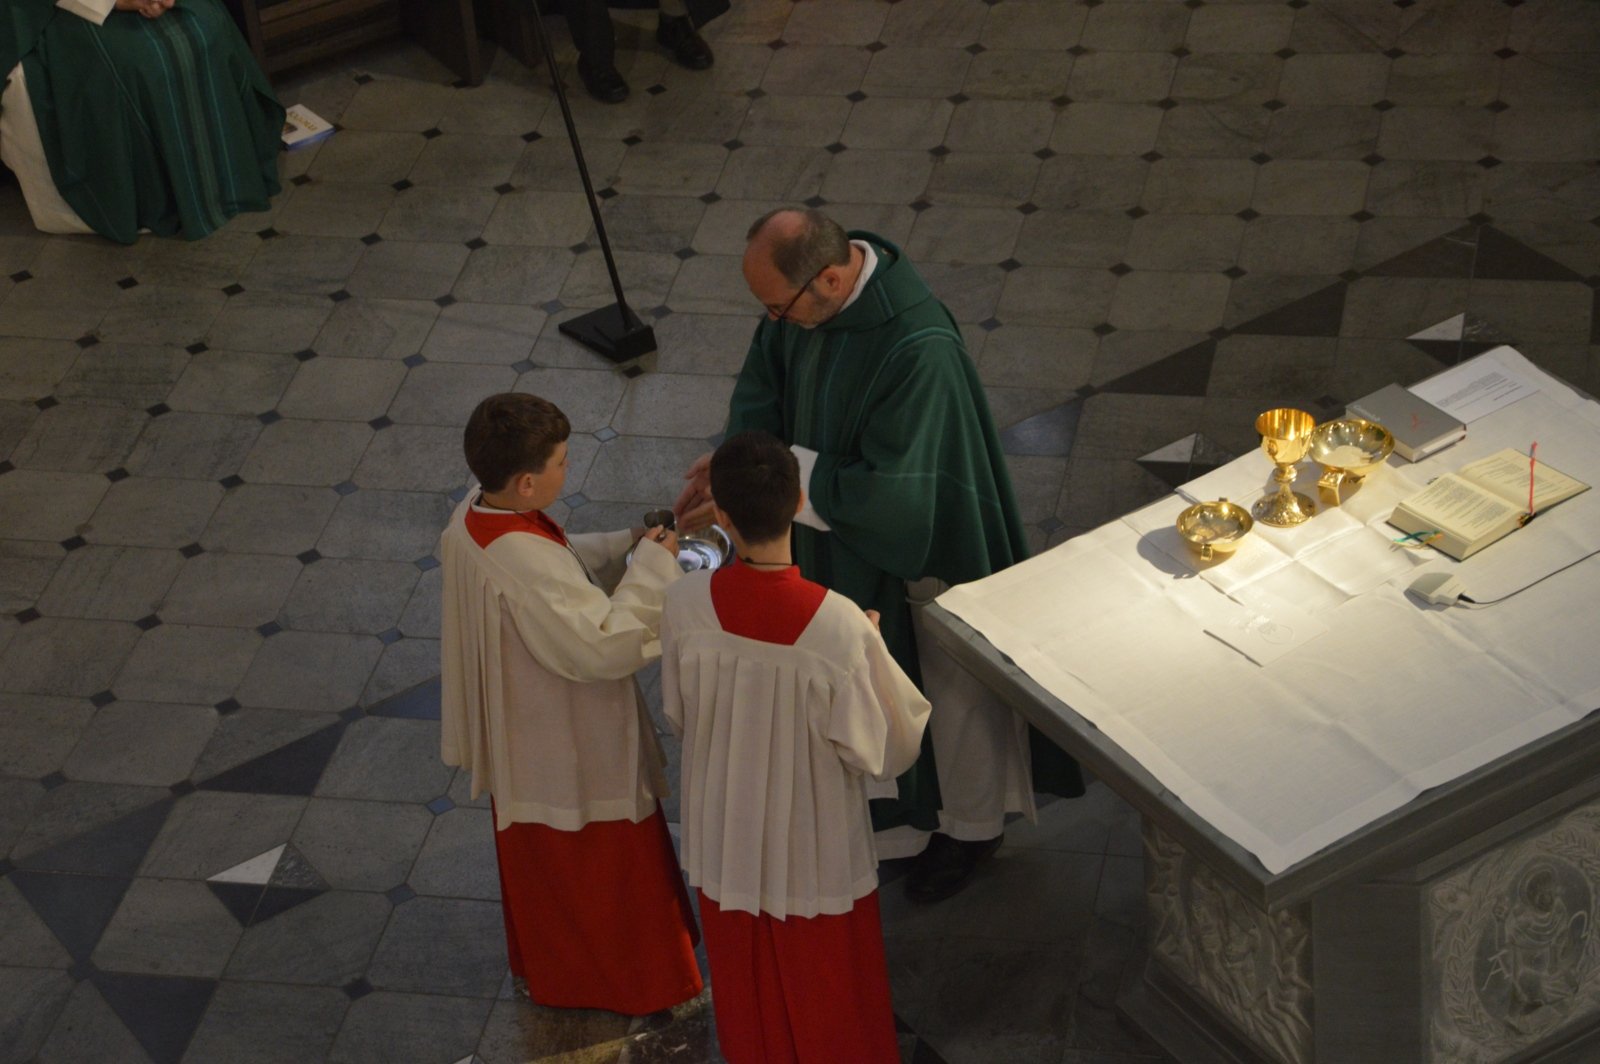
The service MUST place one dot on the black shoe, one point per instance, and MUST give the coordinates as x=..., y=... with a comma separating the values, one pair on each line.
x=679, y=37
x=946, y=866
x=603, y=80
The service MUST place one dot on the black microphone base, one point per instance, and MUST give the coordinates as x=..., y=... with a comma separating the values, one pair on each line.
x=612, y=331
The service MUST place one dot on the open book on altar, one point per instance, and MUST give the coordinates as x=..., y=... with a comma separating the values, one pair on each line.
x=1460, y=513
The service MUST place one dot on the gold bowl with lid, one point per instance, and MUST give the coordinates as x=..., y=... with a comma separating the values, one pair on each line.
x=1214, y=528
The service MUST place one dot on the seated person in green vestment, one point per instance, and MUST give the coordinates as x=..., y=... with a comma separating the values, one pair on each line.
x=863, y=373
x=122, y=115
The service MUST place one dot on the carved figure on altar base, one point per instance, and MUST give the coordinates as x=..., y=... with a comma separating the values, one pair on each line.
x=1535, y=951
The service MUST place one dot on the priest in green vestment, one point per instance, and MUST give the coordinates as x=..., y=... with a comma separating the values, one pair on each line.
x=122, y=115
x=863, y=372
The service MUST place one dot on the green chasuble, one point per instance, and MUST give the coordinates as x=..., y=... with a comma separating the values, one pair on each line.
x=166, y=124
x=909, y=473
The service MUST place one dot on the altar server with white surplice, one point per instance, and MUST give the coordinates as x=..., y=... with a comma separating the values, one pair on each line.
x=542, y=634
x=788, y=701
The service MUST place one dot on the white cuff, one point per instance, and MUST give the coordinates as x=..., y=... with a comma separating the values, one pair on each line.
x=96, y=11
x=808, y=515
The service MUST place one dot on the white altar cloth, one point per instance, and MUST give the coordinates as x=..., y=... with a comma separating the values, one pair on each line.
x=1377, y=696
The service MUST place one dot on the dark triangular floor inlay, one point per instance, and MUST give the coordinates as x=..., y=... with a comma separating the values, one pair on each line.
x=419, y=703
x=1453, y=352
x=1209, y=456
x=275, y=900
x=161, y=1011
x=1476, y=328
x=293, y=768
x=1319, y=314
x=294, y=870
x=1447, y=352
x=238, y=898
x=1450, y=255
x=1182, y=460
x=75, y=908
x=1186, y=373
x=1050, y=433
x=1173, y=474
x=1501, y=258
x=114, y=849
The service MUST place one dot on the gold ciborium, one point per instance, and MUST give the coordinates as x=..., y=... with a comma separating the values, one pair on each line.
x=1285, y=436
x=1214, y=528
x=1348, y=449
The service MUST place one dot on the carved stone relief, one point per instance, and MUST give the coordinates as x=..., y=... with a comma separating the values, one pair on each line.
x=1254, y=968
x=1514, y=948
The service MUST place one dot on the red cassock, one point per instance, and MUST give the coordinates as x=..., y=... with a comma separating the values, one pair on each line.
x=598, y=917
x=787, y=700
x=800, y=990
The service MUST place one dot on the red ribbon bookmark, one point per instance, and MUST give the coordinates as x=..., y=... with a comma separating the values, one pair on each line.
x=1533, y=451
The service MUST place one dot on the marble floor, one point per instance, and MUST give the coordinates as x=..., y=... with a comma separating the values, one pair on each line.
x=225, y=834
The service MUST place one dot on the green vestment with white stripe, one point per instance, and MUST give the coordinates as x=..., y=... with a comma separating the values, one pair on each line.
x=166, y=124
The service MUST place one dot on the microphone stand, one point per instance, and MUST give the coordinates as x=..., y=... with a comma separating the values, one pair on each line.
x=614, y=331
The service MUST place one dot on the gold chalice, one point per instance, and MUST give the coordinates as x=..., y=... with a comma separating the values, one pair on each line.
x=1214, y=528
x=1285, y=436
x=1348, y=449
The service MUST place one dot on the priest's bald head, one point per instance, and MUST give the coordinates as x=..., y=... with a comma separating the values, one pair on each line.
x=801, y=266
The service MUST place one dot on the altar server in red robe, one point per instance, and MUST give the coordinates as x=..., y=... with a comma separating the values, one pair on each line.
x=542, y=634
x=788, y=701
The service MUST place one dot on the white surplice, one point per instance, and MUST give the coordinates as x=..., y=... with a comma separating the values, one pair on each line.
x=538, y=697
x=778, y=741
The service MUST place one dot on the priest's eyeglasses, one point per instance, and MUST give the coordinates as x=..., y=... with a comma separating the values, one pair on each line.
x=780, y=315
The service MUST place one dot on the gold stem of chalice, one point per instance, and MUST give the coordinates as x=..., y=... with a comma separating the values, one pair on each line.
x=1285, y=436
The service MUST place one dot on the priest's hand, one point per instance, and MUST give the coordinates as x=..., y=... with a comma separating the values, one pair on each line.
x=693, y=508
x=698, y=518
x=874, y=616
x=147, y=8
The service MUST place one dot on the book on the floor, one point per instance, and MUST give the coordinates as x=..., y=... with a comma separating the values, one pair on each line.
x=1460, y=513
x=302, y=126
x=1419, y=428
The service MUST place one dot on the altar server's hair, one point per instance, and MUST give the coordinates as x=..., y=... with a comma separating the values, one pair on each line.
x=511, y=433
x=804, y=248
x=756, y=482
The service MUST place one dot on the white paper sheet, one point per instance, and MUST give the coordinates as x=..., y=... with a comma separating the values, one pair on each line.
x=1477, y=387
